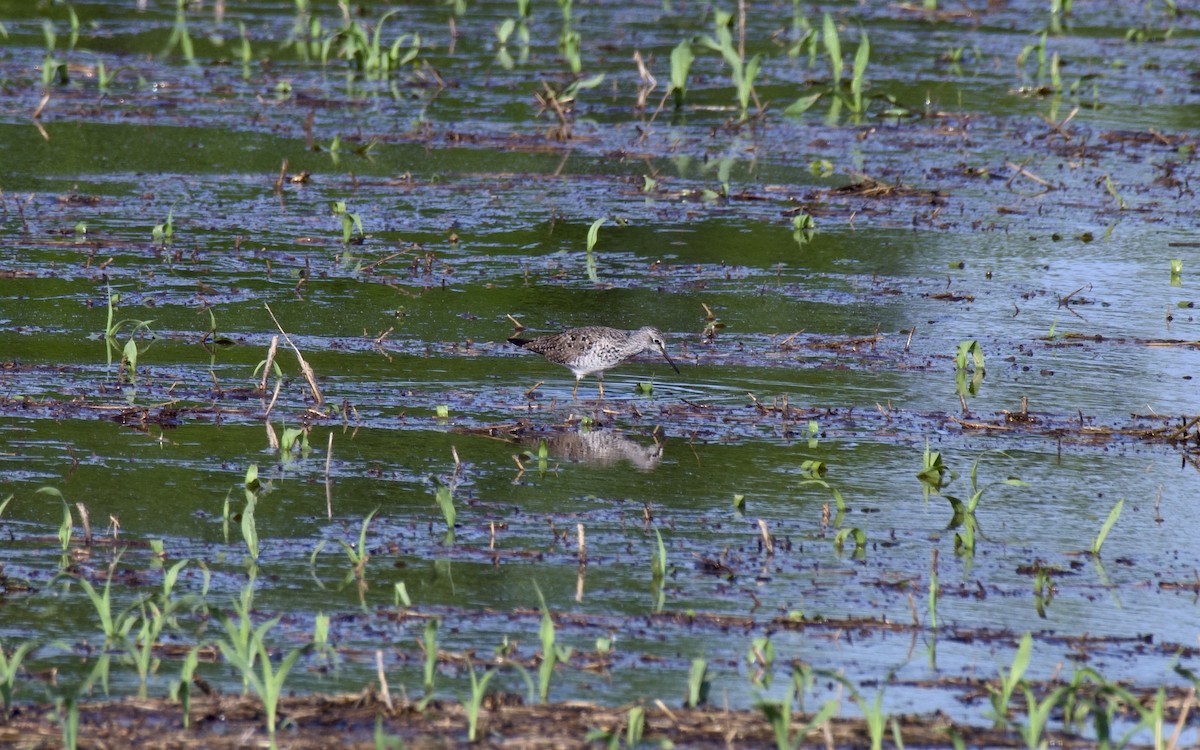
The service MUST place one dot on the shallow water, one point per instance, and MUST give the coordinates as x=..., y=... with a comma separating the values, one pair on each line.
x=471, y=214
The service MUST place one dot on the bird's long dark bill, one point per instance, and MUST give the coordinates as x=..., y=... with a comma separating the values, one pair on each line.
x=668, y=358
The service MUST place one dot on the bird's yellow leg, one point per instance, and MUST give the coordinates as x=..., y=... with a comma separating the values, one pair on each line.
x=575, y=390
x=600, y=382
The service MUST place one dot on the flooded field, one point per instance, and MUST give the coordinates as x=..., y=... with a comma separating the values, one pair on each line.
x=926, y=471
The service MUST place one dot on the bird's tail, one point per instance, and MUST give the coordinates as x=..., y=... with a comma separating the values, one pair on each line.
x=518, y=341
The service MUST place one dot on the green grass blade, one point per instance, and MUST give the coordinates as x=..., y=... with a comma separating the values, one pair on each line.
x=1113, y=515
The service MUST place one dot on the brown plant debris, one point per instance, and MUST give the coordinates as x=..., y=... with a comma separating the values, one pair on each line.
x=318, y=721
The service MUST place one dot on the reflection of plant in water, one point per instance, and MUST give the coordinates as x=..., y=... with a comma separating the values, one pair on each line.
x=761, y=658
x=933, y=471
x=804, y=228
x=54, y=69
x=967, y=379
x=569, y=39
x=504, y=32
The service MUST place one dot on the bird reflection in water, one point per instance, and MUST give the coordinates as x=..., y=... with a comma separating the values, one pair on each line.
x=599, y=448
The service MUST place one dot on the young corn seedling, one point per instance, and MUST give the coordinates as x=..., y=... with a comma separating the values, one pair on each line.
x=1043, y=591
x=142, y=649
x=473, y=704
x=969, y=352
x=804, y=228
x=112, y=329
x=552, y=653
x=180, y=36
x=1038, y=715
x=964, y=512
x=10, y=665
x=593, y=236
x=542, y=456
x=429, y=645
x=681, y=66
x=658, y=572
x=1039, y=51
x=67, y=527
x=294, y=440
x=366, y=53
x=698, y=683
x=245, y=53
x=267, y=680
x=240, y=633
x=779, y=715
x=875, y=718
x=803, y=36
x=503, y=32
x=53, y=69
x=1009, y=681
x=858, y=74
x=115, y=625
x=860, y=540
x=1113, y=515
x=813, y=473
x=1089, y=694
x=384, y=741
x=350, y=222
x=320, y=638
x=181, y=689
x=1111, y=188
x=933, y=471
x=400, y=595
x=444, y=494
x=635, y=726
x=741, y=72
x=358, y=554
x=833, y=49
x=163, y=233
x=250, y=527
x=66, y=709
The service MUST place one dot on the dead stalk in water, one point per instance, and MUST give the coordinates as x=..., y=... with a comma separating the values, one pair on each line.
x=384, y=695
x=305, y=369
x=1183, y=714
x=282, y=176
x=328, y=483
x=768, y=541
x=85, y=520
x=267, y=365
